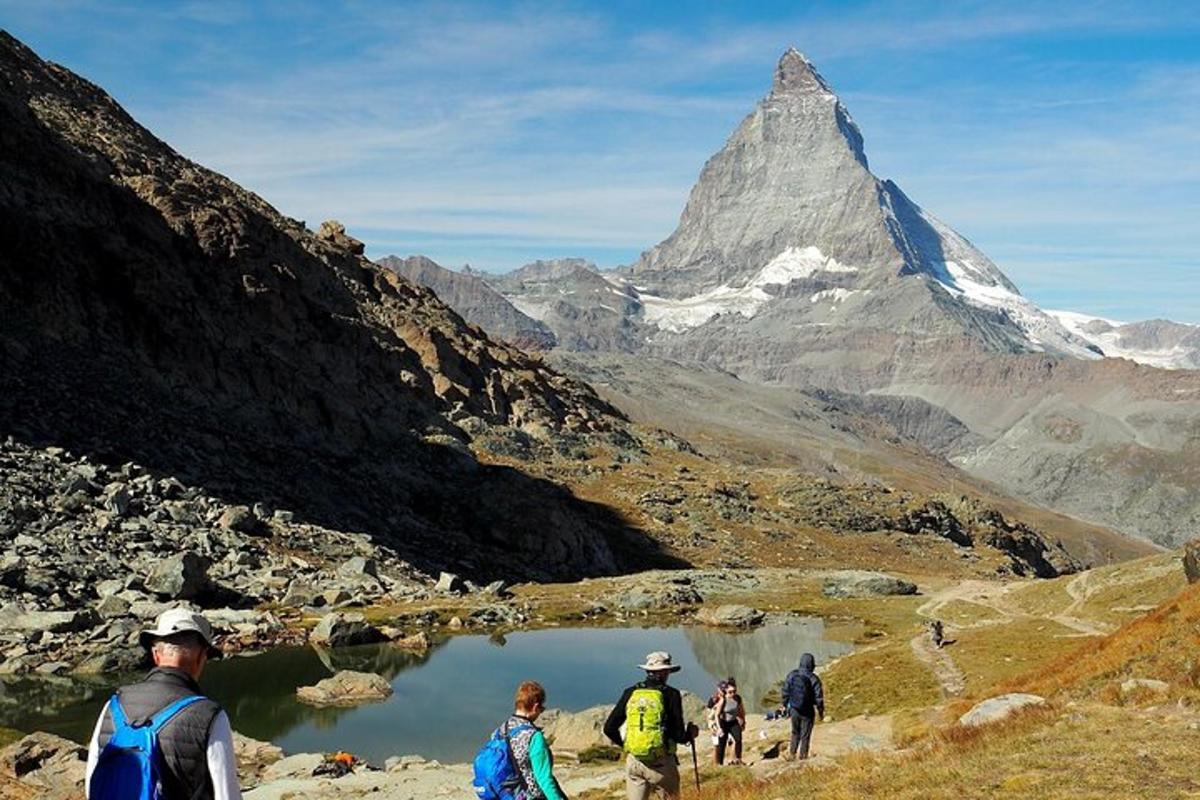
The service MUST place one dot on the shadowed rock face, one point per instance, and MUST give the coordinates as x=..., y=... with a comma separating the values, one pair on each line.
x=154, y=311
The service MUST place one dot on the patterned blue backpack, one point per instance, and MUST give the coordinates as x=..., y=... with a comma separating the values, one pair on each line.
x=127, y=768
x=496, y=774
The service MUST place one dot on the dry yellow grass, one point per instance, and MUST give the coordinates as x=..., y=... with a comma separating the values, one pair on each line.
x=879, y=680
x=1092, y=751
x=1089, y=741
x=995, y=653
x=1163, y=645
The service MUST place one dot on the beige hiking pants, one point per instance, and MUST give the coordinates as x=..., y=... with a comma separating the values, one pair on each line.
x=658, y=777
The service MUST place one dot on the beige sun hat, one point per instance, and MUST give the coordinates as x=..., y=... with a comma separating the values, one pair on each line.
x=180, y=620
x=659, y=661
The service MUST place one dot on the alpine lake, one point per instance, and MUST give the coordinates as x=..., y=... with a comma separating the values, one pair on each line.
x=447, y=700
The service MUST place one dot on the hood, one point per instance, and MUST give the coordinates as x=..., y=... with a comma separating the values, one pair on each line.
x=807, y=662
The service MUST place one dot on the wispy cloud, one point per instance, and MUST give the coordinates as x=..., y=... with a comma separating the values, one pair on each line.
x=500, y=132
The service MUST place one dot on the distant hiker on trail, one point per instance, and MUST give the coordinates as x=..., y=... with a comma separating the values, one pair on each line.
x=937, y=633
x=516, y=762
x=729, y=715
x=804, y=699
x=163, y=728
x=652, y=713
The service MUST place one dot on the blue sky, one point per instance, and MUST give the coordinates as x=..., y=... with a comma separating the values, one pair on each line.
x=1064, y=142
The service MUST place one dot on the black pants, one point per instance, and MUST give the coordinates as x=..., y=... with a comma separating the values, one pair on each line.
x=802, y=728
x=731, y=729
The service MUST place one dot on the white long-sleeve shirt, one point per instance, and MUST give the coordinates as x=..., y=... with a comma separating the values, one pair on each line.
x=222, y=766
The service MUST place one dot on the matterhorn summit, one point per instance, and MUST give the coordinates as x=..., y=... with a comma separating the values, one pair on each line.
x=790, y=210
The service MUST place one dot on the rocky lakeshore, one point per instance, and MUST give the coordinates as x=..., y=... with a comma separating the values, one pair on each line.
x=51, y=768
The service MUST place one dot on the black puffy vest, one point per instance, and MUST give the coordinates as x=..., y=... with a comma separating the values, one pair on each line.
x=183, y=741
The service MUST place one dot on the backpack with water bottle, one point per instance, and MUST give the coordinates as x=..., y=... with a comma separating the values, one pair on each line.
x=128, y=766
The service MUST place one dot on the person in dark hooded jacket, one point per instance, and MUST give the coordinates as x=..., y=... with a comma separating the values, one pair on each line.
x=804, y=699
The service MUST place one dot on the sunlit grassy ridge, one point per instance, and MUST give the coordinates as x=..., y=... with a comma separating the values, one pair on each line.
x=1092, y=752
x=1163, y=645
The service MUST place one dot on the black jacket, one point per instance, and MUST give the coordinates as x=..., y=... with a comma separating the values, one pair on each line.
x=183, y=741
x=676, y=728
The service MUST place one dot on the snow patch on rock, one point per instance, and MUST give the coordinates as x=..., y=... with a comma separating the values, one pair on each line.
x=1107, y=335
x=531, y=308
x=971, y=284
x=835, y=295
x=797, y=262
x=792, y=264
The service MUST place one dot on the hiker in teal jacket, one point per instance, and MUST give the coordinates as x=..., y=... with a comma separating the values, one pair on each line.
x=530, y=752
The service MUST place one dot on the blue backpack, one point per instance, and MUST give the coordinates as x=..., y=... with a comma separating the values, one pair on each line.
x=496, y=775
x=128, y=766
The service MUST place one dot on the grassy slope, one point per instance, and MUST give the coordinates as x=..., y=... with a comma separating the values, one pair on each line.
x=1091, y=740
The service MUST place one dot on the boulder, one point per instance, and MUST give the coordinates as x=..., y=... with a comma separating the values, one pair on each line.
x=1145, y=684
x=240, y=519
x=253, y=757
x=860, y=583
x=359, y=566
x=334, y=597
x=118, y=501
x=112, y=606
x=575, y=732
x=300, y=765
x=183, y=576
x=418, y=642
x=343, y=630
x=583, y=730
x=14, y=617
x=50, y=767
x=449, y=583
x=302, y=593
x=334, y=233
x=1191, y=560
x=731, y=616
x=657, y=598
x=346, y=688
x=997, y=708
x=499, y=589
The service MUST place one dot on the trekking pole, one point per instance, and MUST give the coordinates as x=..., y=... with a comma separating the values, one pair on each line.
x=695, y=764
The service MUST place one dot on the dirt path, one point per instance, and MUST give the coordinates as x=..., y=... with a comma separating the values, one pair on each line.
x=767, y=742
x=1080, y=588
x=991, y=596
x=948, y=675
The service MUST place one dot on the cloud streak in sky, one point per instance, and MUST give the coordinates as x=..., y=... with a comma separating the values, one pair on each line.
x=1064, y=142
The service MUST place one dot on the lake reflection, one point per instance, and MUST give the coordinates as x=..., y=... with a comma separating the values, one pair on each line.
x=447, y=700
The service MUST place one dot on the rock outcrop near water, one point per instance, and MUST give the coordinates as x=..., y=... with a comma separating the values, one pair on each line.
x=152, y=311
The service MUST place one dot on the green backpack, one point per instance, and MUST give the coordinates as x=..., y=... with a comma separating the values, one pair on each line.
x=645, y=724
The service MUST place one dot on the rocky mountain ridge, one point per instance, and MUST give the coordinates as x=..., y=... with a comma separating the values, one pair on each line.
x=1156, y=343
x=475, y=300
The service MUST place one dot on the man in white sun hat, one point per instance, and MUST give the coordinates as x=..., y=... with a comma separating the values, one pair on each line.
x=652, y=713
x=162, y=737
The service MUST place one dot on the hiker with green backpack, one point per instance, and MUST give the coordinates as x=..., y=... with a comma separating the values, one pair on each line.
x=652, y=713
